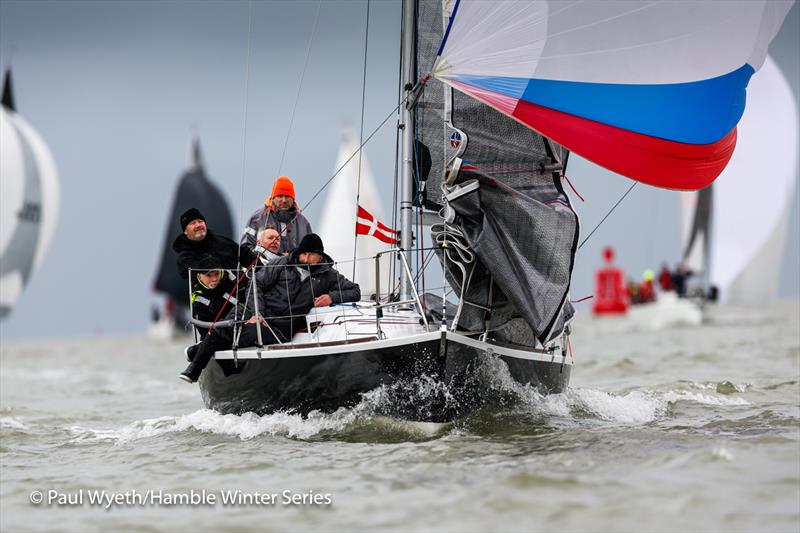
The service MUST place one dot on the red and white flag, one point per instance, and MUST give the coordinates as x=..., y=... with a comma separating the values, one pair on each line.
x=367, y=224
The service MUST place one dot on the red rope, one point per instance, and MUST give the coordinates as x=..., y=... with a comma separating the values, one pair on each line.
x=582, y=299
x=573, y=187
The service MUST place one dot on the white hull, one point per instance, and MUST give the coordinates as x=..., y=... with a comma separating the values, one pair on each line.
x=667, y=312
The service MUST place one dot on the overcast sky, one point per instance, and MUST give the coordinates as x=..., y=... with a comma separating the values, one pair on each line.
x=116, y=87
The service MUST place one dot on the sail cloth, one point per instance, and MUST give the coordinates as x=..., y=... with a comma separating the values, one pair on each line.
x=194, y=190
x=527, y=246
x=342, y=210
x=747, y=252
x=29, y=200
x=525, y=292
x=650, y=90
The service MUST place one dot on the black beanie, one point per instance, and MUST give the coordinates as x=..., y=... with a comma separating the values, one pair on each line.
x=189, y=215
x=311, y=243
x=207, y=263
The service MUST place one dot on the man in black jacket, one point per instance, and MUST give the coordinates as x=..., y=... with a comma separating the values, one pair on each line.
x=197, y=242
x=287, y=290
x=291, y=286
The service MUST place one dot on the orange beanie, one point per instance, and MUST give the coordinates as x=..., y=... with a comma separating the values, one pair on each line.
x=283, y=186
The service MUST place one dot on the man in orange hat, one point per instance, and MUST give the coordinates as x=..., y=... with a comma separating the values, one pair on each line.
x=281, y=211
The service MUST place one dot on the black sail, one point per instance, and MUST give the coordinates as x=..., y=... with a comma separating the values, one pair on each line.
x=194, y=190
x=519, y=224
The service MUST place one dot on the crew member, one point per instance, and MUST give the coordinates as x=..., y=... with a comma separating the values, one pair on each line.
x=280, y=211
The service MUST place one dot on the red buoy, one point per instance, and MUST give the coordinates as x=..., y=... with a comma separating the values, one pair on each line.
x=610, y=294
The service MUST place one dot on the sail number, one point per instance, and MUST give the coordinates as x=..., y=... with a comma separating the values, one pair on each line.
x=30, y=212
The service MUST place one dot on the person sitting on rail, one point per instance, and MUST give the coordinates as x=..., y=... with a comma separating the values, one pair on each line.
x=288, y=289
x=212, y=296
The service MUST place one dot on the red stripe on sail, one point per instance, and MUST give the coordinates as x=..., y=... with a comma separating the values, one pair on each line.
x=658, y=162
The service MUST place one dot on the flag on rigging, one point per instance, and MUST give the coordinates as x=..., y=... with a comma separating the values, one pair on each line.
x=367, y=224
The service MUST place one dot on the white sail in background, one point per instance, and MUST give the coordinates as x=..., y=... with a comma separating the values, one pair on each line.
x=29, y=195
x=338, y=221
x=752, y=197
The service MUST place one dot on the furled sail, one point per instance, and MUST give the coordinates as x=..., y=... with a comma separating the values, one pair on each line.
x=29, y=198
x=341, y=207
x=746, y=252
x=194, y=190
x=514, y=216
x=650, y=90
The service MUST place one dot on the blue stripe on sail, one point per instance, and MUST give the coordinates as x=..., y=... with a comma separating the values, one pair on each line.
x=449, y=25
x=700, y=112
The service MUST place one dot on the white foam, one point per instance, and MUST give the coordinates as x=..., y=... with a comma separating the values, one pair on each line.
x=636, y=407
x=245, y=426
x=722, y=453
x=9, y=422
x=677, y=396
x=713, y=385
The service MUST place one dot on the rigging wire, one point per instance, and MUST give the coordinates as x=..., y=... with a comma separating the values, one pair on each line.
x=361, y=139
x=300, y=85
x=371, y=135
x=244, y=134
x=635, y=183
x=397, y=139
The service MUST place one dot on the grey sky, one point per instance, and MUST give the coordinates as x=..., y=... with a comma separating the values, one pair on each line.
x=115, y=87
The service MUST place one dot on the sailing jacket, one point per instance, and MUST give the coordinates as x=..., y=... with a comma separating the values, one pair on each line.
x=291, y=224
x=286, y=287
x=221, y=249
x=207, y=302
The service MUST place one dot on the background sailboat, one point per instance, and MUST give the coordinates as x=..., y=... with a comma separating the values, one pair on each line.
x=340, y=212
x=29, y=200
x=194, y=189
x=735, y=231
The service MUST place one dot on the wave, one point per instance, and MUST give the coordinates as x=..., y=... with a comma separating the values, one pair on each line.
x=9, y=422
x=382, y=414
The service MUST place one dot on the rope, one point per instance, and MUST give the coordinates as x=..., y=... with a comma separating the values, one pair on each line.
x=573, y=187
x=635, y=183
x=300, y=86
x=361, y=139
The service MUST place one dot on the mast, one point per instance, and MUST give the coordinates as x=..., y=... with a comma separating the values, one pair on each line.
x=407, y=79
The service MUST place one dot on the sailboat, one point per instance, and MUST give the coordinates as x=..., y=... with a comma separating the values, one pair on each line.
x=29, y=200
x=494, y=96
x=355, y=187
x=735, y=256
x=194, y=189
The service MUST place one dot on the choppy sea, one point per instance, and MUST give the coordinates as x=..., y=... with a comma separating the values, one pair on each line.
x=685, y=429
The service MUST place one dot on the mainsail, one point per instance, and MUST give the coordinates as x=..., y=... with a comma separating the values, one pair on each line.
x=744, y=254
x=518, y=221
x=194, y=190
x=29, y=195
x=340, y=212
